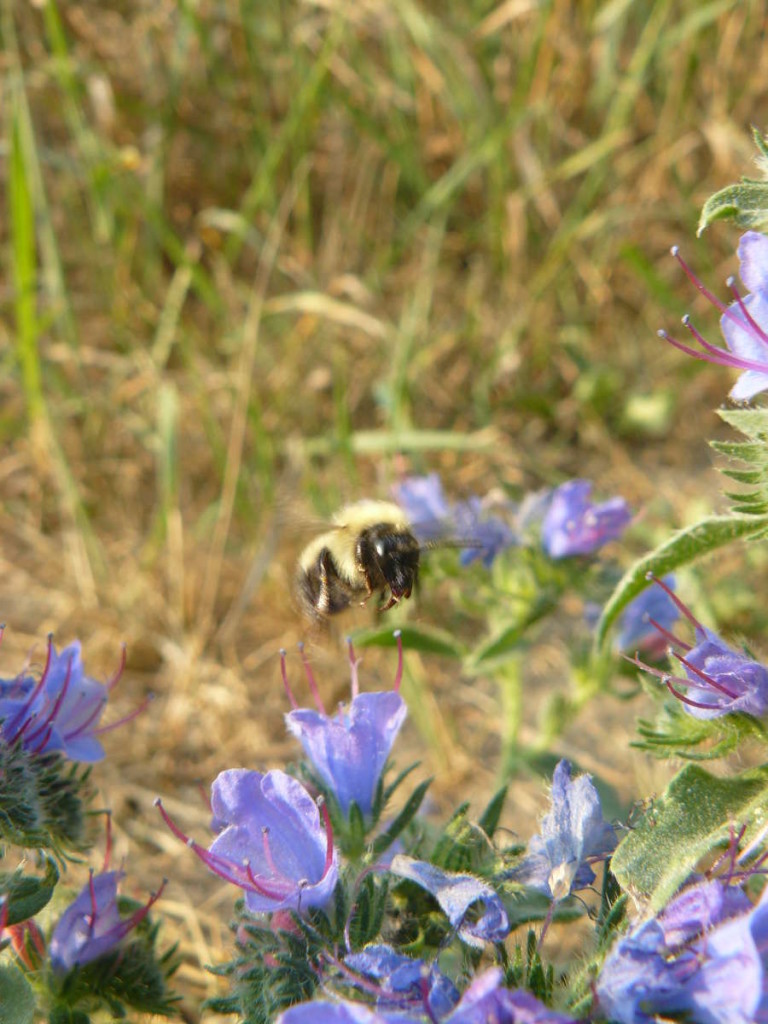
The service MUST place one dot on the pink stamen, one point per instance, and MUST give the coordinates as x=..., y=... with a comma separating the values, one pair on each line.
x=94, y=906
x=725, y=359
x=37, y=690
x=657, y=672
x=139, y=915
x=3, y=906
x=687, y=700
x=707, y=678
x=286, y=685
x=268, y=851
x=683, y=609
x=353, y=663
x=83, y=727
x=51, y=717
x=120, y=668
x=121, y=721
x=670, y=637
x=761, y=335
x=311, y=680
x=43, y=742
x=226, y=869
x=731, y=358
x=263, y=890
x=699, y=285
x=399, y=674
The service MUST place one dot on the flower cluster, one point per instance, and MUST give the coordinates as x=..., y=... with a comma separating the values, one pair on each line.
x=61, y=711
x=703, y=959
x=47, y=723
x=570, y=523
x=275, y=841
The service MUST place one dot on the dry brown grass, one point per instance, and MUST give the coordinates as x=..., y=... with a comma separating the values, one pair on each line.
x=453, y=217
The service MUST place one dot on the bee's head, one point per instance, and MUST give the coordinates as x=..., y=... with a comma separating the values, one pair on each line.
x=389, y=557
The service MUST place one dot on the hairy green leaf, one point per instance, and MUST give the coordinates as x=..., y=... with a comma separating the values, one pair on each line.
x=693, y=817
x=746, y=202
x=17, y=1000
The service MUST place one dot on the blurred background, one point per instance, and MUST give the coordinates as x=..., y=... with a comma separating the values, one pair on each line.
x=263, y=258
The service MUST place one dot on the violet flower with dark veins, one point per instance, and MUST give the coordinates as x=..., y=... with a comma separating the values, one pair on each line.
x=273, y=842
x=349, y=750
x=744, y=322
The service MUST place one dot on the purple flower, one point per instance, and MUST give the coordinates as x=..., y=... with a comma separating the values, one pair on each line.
x=744, y=323
x=490, y=535
x=321, y=1011
x=639, y=624
x=349, y=750
x=718, y=680
x=487, y=1001
x=433, y=518
x=704, y=958
x=574, y=526
x=403, y=982
x=61, y=711
x=456, y=894
x=92, y=926
x=272, y=842
x=573, y=834
x=423, y=500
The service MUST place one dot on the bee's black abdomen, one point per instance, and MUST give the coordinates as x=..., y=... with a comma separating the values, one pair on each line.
x=321, y=590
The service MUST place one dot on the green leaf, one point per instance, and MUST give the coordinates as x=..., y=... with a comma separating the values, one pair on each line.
x=17, y=1000
x=385, y=840
x=489, y=819
x=692, y=818
x=529, y=905
x=684, y=547
x=415, y=638
x=746, y=203
x=28, y=894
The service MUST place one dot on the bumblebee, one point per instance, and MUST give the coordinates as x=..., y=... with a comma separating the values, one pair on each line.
x=371, y=548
